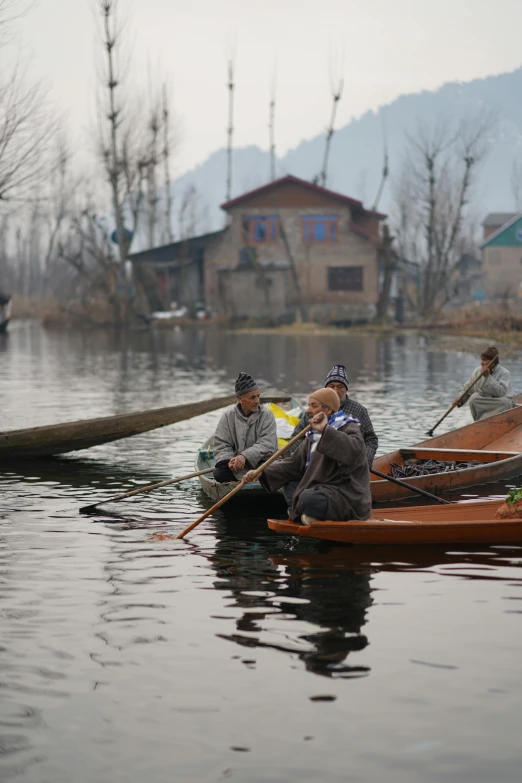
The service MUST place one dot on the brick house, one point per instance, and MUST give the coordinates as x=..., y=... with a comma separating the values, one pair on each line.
x=502, y=257
x=331, y=241
x=284, y=236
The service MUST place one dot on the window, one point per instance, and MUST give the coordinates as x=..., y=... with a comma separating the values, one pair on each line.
x=345, y=278
x=320, y=228
x=260, y=230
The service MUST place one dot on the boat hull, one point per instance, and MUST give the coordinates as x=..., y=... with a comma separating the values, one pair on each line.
x=214, y=489
x=498, y=435
x=73, y=436
x=461, y=523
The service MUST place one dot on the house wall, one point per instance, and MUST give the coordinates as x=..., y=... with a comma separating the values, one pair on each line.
x=246, y=293
x=312, y=260
x=502, y=270
x=176, y=282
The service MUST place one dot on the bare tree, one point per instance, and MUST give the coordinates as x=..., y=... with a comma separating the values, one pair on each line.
x=271, y=130
x=25, y=131
x=336, y=86
x=167, y=144
x=389, y=266
x=124, y=143
x=59, y=210
x=385, y=165
x=9, y=11
x=192, y=214
x=430, y=207
x=516, y=184
x=230, y=127
x=154, y=128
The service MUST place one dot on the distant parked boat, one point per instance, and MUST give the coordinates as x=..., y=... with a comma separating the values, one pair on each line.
x=5, y=311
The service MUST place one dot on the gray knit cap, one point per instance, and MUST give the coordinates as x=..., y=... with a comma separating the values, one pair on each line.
x=245, y=384
x=337, y=375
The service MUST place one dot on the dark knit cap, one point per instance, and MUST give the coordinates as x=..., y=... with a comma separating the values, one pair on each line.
x=245, y=384
x=337, y=375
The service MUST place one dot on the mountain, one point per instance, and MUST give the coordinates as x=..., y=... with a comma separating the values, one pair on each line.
x=356, y=155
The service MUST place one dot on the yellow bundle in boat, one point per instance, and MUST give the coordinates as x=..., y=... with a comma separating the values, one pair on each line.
x=285, y=423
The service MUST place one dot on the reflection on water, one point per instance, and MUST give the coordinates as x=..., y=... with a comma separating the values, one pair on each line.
x=237, y=654
x=304, y=587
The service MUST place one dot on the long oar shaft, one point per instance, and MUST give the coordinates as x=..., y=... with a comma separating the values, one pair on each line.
x=242, y=483
x=148, y=488
x=408, y=486
x=455, y=404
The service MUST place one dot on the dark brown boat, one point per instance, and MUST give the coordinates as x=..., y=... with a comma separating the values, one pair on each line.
x=75, y=435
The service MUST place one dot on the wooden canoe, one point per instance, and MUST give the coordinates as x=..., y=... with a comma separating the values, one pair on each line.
x=75, y=435
x=205, y=459
x=496, y=442
x=471, y=522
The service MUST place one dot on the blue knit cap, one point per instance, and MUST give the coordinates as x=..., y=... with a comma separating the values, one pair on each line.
x=337, y=375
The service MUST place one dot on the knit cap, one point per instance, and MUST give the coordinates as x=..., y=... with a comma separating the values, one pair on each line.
x=327, y=397
x=337, y=375
x=245, y=384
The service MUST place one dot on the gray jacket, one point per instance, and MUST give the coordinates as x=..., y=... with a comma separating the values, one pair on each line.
x=497, y=384
x=254, y=436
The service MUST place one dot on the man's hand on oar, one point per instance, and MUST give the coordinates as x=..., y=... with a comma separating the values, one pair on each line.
x=253, y=474
x=458, y=400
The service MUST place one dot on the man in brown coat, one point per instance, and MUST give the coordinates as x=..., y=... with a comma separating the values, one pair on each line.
x=327, y=477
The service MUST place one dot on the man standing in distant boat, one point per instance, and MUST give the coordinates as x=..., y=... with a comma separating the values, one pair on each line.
x=337, y=380
x=327, y=477
x=493, y=392
x=246, y=434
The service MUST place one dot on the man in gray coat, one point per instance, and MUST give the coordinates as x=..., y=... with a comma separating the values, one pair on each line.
x=493, y=392
x=246, y=434
x=328, y=476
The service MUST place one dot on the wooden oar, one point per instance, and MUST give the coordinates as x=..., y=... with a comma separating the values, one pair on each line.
x=409, y=486
x=148, y=488
x=242, y=483
x=456, y=404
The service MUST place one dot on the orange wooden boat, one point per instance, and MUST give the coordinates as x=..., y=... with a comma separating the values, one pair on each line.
x=495, y=442
x=469, y=522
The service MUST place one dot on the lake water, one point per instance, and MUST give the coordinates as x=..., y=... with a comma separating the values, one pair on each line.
x=238, y=654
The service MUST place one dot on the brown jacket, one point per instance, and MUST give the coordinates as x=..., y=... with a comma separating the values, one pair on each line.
x=338, y=465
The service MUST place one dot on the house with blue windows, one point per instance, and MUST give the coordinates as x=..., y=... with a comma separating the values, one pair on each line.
x=286, y=243
x=502, y=257
x=293, y=239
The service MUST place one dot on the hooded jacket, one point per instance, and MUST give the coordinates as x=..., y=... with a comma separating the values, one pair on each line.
x=254, y=436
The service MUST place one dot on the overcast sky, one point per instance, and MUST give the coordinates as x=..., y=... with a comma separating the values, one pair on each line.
x=390, y=47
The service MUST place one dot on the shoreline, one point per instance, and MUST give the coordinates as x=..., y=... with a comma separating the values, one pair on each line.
x=471, y=340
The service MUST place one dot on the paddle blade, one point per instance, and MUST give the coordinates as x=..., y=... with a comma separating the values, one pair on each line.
x=88, y=509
